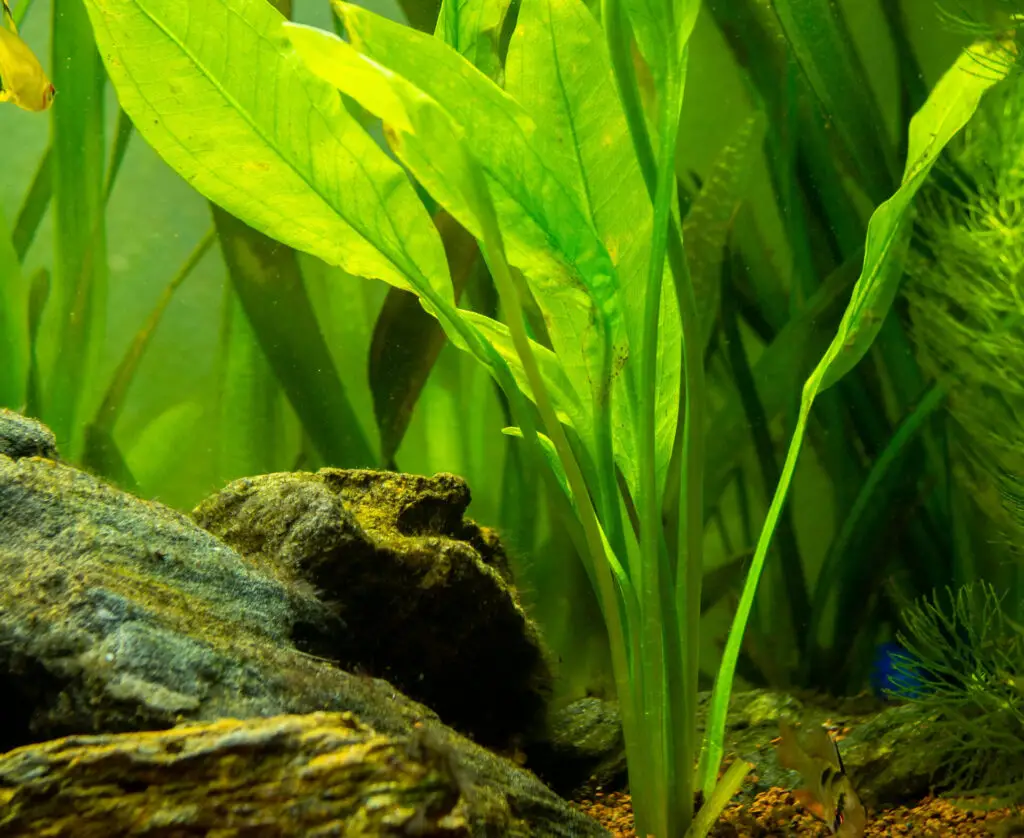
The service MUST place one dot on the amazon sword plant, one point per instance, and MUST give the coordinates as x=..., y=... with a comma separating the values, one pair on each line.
x=565, y=175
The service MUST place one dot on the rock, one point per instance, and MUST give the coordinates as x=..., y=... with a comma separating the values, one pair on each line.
x=21, y=436
x=425, y=596
x=585, y=748
x=119, y=615
x=318, y=774
x=890, y=751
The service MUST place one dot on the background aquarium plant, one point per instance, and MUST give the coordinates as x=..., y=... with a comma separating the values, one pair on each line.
x=662, y=243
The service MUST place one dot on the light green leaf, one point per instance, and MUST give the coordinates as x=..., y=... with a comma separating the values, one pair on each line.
x=546, y=233
x=568, y=408
x=558, y=69
x=241, y=118
x=473, y=29
x=951, y=104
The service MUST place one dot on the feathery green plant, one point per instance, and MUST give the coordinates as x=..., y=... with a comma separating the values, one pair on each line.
x=966, y=295
x=965, y=670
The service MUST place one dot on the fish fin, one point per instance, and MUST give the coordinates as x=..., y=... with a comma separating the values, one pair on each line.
x=810, y=802
x=788, y=749
x=819, y=743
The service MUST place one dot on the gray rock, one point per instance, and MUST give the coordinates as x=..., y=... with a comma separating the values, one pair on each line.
x=21, y=436
x=121, y=615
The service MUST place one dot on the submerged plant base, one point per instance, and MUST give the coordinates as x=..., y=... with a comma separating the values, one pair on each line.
x=775, y=814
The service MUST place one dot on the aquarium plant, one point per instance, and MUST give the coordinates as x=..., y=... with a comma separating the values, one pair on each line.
x=965, y=291
x=559, y=158
x=965, y=659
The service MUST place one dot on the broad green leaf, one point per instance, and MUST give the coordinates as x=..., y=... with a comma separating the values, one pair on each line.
x=559, y=71
x=473, y=29
x=79, y=292
x=545, y=231
x=14, y=324
x=243, y=121
x=569, y=410
x=949, y=106
x=266, y=277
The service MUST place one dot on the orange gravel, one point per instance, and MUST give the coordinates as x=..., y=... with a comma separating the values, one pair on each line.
x=775, y=814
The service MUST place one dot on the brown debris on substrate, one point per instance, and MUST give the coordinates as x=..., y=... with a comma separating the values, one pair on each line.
x=775, y=814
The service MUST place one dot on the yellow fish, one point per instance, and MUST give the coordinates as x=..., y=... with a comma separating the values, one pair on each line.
x=22, y=78
x=828, y=794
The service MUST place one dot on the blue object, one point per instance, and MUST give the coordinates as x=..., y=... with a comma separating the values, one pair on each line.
x=891, y=681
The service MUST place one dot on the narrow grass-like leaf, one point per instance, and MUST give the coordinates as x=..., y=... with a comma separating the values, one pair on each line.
x=407, y=342
x=14, y=324
x=37, y=201
x=39, y=293
x=728, y=429
x=243, y=121
x=819, y=39
x=266, y=277
x=80, y=271
x=569, y=410
x=949, y=106
x=101, y=453
x=122, y=137
x=844, y=569
x=248, y=413
x=707, y=224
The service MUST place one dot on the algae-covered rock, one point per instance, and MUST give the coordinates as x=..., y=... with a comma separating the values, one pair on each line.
x=424, y=594
x=117, y=614
x=21, y=436
x=319, y=774
x=891, y=751
x=121, y=615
